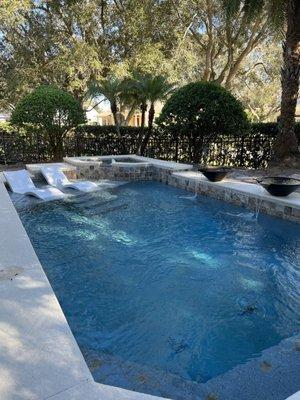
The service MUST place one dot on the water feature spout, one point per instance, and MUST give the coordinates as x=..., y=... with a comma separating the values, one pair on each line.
x=193, y=197
x=258, y=203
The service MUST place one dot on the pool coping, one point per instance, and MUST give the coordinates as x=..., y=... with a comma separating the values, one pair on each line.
x=34, y=332
x=146, y=161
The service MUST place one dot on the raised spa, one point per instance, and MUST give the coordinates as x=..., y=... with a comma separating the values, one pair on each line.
x=124, y=161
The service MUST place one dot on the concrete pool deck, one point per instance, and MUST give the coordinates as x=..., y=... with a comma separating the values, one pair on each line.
x=40, y=358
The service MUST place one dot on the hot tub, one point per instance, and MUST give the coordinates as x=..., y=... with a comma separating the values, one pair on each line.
x=119, y=160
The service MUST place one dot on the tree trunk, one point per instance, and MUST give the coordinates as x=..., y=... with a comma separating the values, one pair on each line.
x=286, y=148
x=143, y=110
x=59, y=151
x=114, y=111
x=56, y=146
x=130, y=114
x=141, y=134
x=149, y=130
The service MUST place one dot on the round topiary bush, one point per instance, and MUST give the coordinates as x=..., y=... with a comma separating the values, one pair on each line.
x=201, y=111
x=51, y=110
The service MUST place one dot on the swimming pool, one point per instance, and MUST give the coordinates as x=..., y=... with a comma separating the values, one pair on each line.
x=160, y=288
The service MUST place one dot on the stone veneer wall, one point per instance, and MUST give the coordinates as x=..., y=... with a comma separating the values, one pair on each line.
x=70, y=174
x=143, y=172
x=97, y=171
x=228, y=195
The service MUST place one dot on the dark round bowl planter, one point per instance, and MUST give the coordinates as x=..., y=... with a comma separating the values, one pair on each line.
x=279, y=185
x=214, y=174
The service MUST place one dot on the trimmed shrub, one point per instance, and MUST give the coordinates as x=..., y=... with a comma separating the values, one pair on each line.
x=271, y=129
x=203, y=111
x=107, y=139
x=6, y=127
x=252, y=150
x=53, y=111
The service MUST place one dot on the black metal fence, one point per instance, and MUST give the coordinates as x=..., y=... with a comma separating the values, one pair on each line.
x=251, y=150
x=23, y=146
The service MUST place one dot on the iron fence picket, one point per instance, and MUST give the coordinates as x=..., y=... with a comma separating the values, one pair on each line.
x=252, y=150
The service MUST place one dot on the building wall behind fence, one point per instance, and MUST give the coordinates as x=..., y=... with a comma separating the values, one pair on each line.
x=252, y=150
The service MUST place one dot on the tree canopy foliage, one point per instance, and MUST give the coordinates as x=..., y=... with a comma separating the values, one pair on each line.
x=140, y=92
x=282, y=16
x=203, y=110
x=72, y=43
x=53, y=111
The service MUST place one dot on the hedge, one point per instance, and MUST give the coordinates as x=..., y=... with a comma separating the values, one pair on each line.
x=252, y=150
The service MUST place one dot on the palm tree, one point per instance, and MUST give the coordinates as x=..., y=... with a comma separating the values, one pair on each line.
x=157, y=89
x=133, y=97
x=137, y=89
x=147, y=90
x=111, y=89
x=284, y=15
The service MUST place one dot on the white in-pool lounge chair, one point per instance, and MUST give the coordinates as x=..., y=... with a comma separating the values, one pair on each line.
x=55, y=177
x=21, y=183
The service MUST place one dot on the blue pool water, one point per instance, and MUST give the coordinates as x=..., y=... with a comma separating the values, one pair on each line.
x=154, y=284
